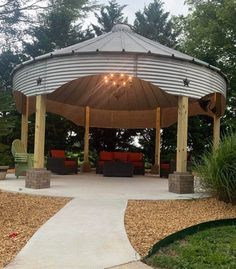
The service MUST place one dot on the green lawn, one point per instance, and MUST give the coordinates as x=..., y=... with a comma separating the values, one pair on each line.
x=213, y=248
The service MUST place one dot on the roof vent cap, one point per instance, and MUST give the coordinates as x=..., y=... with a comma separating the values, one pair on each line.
x=121, y=27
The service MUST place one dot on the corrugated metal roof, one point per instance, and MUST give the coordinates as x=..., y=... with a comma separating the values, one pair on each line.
x=122, y=39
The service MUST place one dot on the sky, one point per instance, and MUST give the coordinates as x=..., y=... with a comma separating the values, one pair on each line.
x=175, y=7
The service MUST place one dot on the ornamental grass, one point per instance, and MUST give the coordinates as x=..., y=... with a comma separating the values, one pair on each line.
x=217, y=170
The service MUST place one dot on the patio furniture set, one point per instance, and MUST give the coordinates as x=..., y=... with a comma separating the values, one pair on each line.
x=112, y=164
x=109, y=163
x=121, y=164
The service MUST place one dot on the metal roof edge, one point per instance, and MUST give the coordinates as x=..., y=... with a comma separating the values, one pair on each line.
x=47, y=56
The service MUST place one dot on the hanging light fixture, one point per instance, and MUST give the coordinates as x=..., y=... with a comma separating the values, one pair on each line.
x=118, y=83
x=118, y=80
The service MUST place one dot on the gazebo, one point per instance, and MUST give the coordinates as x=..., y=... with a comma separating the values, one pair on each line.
x=120, y=80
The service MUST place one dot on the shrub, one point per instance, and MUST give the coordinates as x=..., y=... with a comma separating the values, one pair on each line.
x=217, y=169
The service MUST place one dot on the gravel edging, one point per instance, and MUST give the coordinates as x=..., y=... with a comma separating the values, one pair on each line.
x=147, y=222
x=21, y=215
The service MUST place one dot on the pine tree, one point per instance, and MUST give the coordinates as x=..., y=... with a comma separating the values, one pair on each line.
x=154, y=23
x=109, y=15
x=59, y=27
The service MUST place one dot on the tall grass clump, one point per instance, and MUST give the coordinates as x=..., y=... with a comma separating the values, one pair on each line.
x=217, y=169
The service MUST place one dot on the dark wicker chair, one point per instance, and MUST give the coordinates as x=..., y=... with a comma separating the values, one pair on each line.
x=58, y=163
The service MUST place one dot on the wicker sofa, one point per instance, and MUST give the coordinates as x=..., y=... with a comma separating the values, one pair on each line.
x=60, y=164
x=136, y=158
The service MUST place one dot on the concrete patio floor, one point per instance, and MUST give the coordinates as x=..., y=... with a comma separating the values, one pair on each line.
x=89, y=231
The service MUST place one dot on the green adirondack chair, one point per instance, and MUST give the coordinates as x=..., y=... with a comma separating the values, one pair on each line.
x=23, y=160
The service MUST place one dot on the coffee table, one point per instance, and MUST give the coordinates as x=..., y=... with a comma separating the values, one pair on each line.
x=117, y=169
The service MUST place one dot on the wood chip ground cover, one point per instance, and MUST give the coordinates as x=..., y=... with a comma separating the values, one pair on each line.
x=147, y=222
x=21, y=216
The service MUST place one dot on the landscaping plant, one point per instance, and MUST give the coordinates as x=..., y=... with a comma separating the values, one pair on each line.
x=217, y=169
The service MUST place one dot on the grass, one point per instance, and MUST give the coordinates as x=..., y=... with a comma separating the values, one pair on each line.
x=212, y=248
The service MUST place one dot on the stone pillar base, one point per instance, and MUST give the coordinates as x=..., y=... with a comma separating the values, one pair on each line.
x=155, y=169
x=3, y=172
x=85, y=167
x=38, y=178
x=181, y=183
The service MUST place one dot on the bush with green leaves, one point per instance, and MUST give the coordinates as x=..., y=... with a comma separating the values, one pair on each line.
x=217, y=169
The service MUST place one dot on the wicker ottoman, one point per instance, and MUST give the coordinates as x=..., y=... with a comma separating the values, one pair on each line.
x=117, y=169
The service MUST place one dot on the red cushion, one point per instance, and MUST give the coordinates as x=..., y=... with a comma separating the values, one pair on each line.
x=121, y=156
x=58, y=153
x=137, y=164
x=70, y=163
x=135, y=156
x=165, y=165
x=106, y=156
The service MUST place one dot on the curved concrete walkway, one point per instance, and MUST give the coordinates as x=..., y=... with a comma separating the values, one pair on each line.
x=89, y=231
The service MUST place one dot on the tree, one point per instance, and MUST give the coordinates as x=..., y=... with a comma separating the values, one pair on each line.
x=8, y=115
x=59, y=27
x=154, y=23
x=210, y=34
x=15, y=15
x=110, y=15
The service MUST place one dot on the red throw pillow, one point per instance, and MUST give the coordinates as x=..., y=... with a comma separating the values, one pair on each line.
x=121, y=156
x=106, y=156
x=135, y=156
x=58, y=153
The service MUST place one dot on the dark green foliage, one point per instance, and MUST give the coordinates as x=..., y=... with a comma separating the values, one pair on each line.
x=112, y=139
x=212, y=248
x=146, y=139
x=59, y=27
x=7, y=124
x=217, y=169
x=154, y=23
x=200, y=135
x=8, y=115
x=109, y=15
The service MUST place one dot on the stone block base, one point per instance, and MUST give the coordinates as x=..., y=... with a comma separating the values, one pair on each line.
x=155, y=169
x=85, y=167
x=37, y=179
x=3, y=175
x=181, y=183
x=3, y=172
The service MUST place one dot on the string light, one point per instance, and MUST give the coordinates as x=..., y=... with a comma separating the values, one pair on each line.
x=118, y=83
x=118, y=80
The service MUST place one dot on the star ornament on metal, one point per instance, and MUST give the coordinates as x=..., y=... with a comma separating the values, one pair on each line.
x=186, y=82
x=39, y=81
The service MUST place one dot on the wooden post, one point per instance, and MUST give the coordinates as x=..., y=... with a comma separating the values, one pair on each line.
x=86, y=134
x=158, y=138
x=181, y=165
x=39, y=140
x=24, y=124
x=216, y=132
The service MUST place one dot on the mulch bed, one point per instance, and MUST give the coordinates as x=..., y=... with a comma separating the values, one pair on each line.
x=147, y=222
x=21, y=216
